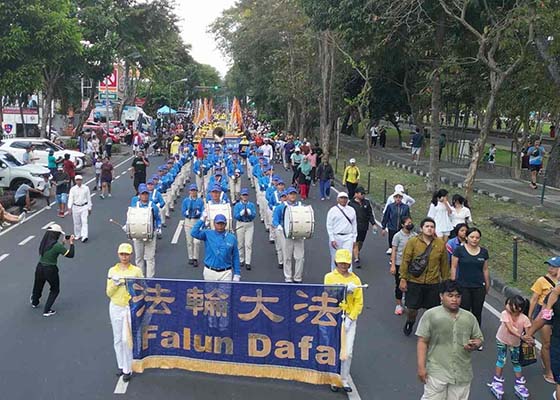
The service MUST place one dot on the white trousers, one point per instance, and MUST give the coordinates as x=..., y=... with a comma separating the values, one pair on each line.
x=211, y=275
x=199, y=182
x=80, y=218
x=294, y=248
x=341, y=243
x=268, y=222
x=193, y=245
x=434, y=389
x=145, y=253
x=350, y=330
x=250, y=173
x=261, y=201
x=245, y=232
x=234, y=188
x=279, y=244
x=120, y=322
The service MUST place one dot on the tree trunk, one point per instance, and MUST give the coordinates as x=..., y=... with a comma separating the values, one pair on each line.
x=552, y=173
x=394, y=122
x=517, y=143
x=85, y=113
x=480, y=143
x=433, y=179
x=326, y=65
x=290, y=124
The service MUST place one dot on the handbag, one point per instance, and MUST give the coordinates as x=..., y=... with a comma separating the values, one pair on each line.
x=527, y=353
x=419, y=263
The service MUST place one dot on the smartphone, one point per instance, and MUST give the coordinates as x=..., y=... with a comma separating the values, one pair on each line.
x=67, y=237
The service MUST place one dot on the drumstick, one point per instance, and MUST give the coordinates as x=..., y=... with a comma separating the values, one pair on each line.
x=115, y=222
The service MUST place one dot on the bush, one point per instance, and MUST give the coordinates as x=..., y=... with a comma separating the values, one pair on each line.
x=116, y=148
x=71, y=144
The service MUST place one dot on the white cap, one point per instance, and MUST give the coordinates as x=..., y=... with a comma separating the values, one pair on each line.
x=352, y=161
x=80, y=177
x=399, y=188
x=398, y=194
x=297, y=149
x=55, y=228
x=342, y=194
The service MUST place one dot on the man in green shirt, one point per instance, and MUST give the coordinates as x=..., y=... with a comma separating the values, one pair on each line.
x=447, y=335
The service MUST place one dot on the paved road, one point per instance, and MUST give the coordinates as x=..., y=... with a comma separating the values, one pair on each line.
x=70, y=355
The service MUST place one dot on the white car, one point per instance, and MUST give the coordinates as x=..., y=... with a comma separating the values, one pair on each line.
x=17, y=146
x=13, y=173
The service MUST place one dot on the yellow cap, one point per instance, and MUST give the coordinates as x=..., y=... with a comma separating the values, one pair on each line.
x=125, y=248
x=343, y=256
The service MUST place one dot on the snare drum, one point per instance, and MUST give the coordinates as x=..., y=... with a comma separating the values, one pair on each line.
x=299, y=222
x=215, y=209
x=140, y=223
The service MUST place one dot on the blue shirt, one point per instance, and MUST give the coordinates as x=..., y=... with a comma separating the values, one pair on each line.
x=192, y=208
x=417, y=139
x=278, y=213
x=223, y=183
x=232, y=166
x=220, y=249
x=538, y=159
x=157, y=198
x=239, y=214
x=265, y=182
x=197, y=165
x=135, y=202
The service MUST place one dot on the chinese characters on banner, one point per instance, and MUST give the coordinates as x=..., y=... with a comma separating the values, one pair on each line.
x=282, y=331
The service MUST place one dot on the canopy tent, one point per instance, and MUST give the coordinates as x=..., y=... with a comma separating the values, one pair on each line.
x=166, y=110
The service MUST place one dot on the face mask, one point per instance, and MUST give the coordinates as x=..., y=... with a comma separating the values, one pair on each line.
x=409, y=227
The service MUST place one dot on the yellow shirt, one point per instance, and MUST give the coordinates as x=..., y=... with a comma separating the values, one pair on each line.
x=351, y=174
x=355, y=300
x=542, y=287
x=118, y=294
x=174, y=147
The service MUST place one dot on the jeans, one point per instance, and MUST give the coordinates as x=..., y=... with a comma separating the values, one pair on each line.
x=45, y=273
x=473, y=301
x=325, y=188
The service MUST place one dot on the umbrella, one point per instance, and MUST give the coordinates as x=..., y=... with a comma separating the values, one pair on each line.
x=166, y=110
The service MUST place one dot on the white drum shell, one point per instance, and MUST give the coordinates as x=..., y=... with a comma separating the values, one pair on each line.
x=299, y=222
x=215, y=209
x=140, y=223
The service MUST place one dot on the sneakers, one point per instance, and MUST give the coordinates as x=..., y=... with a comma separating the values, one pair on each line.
x=127, y=377
x=322, y=199
x=399, y=310
x=389, y=251
x=49, y=313
x=21, y=217
x=248, y=267
x=407, y=330
x=31, y=302
x=84, y=240
x=102, y=196
x=191, y=261
x=280, y=266
x=195, y=263
x=119, y=372
x=110, y=195
x=357, y=263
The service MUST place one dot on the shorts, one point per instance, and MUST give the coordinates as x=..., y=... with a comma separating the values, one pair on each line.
x=416, y=150
x=62, y=198
x=422, y=295
x=555, y=358
x=361, y=236
x=536, y=168
x=106, y=179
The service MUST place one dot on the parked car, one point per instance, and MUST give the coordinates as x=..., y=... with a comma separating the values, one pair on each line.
x=13, y=173
x=17, y=147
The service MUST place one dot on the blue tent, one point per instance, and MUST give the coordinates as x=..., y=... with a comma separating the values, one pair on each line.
x=166, y=110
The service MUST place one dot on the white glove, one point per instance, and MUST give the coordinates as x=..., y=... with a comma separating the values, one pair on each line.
x=248, y=212
x=124, y=228
x=351, y=287
x=279, y=227
x=117, y=280
x=236, y=278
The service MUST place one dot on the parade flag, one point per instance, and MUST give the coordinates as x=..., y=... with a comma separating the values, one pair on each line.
x=281, y=331
x=210, y=109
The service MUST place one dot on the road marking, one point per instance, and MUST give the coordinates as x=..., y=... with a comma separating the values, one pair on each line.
x=27, y=239
x=93, y=195
x=4, y=256
x=49, y=224
x=177, y=234
x=117, y=177
x=353, y=395
x=124, y=173
x=121, y=386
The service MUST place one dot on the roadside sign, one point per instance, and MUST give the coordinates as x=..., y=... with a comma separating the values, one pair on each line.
x=8, y=128
x=110, y=95
x=110, y=82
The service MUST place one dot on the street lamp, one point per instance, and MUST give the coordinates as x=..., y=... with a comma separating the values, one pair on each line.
x=172, y=83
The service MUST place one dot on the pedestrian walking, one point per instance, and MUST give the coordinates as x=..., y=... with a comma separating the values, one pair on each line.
x=416, y=145
x=374, y=135
x=469, y=267
x=408, y=200
x=296, y=159
x=106, y=177
x=97, y=164
x=138, y=169
x=536, y=157
x=62, y=183
x=447, y=335
x=192, y=210
x=460, y=212
x=392, y=218
x=145, y=249
x=325, y=175
x=294, y=249
x=351, y=177
x=244, y=213
x=353, y=305
x=399, y=242
x=512, y=330
x=47, y=269
x=80, y=205
x=304, y=178
x=459, y=238
x=119, y=310
x=342, y=226
x=365, y=218
x=382, y=137
x=221, y=253
x=69, y=168
x=424, y=265
x=440, y=211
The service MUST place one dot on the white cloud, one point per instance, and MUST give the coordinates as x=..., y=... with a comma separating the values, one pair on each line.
x=196, y=16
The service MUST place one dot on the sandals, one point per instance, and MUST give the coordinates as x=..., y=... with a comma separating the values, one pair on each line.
x=549, y=380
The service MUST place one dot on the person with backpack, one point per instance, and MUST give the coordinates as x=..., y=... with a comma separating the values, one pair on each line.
x=536, y=156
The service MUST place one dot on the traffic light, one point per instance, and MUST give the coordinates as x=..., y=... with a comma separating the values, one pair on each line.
x=216, y=87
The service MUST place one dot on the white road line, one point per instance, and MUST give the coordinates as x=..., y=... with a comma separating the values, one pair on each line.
x=4, y=256
x=121, y=386
x=49, y=224
x=353, y=395
x=27, y=239
x=93, y=195
x=124, y=173
x=177, y=234
x=117, y=177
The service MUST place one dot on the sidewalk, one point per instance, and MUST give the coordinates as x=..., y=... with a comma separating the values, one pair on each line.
x=508, y=190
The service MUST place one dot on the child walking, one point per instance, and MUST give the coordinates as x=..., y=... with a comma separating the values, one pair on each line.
x=510, y=333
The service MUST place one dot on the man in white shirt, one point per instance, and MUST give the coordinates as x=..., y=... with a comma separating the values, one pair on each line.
x=79, y=205
x=342, y=227
x=267, y=149
x=409, y=201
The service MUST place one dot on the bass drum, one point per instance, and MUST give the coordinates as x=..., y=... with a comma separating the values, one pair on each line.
x=299, y=222
x=215, y=209
x=140, y=223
